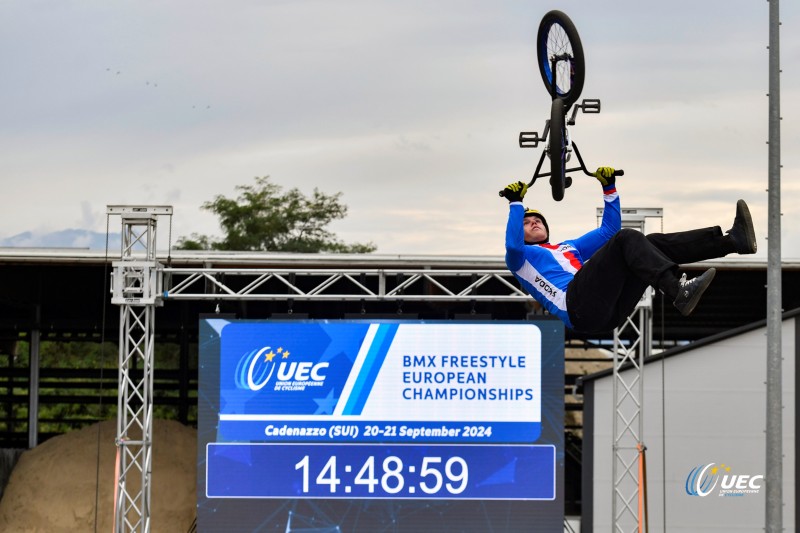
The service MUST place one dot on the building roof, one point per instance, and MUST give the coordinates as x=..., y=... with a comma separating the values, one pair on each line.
x=308, y=260
x=678, y=350
x=58, y=277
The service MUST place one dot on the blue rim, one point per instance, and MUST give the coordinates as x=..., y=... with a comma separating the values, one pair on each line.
x=544, y=61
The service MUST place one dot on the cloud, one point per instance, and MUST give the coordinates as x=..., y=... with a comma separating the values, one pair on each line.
x=68, y=238
x=415, y=105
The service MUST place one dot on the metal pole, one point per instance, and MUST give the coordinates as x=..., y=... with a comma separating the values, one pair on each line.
x=33, y=390
x=774, y=472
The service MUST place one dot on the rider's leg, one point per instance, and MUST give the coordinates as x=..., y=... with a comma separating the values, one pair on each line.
x=609, y=285
x=606, y=289
x=694, y=245
x=709, y=243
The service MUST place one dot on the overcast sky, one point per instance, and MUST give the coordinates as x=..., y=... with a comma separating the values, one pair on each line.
x=411, y=109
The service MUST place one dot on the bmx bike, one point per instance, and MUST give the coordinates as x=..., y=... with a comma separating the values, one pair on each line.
x=561, y=62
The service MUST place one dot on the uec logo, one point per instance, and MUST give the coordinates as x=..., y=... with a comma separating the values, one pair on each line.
x=256, y=369
x=703, y=479
x=700, y=482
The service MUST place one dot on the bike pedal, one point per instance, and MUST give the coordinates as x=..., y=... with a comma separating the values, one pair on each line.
x=567, y=181
x=529, y=139
x=590, y=105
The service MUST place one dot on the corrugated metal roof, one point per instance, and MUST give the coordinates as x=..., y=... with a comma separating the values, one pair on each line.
x=788, y=315
x=291, y=260
x=261, y=259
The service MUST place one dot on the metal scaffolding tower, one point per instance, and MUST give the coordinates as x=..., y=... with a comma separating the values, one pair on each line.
x=629, y=497
x=136, y=288
x=139, y=286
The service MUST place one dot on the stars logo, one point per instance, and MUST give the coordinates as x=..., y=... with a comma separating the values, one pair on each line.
x=716, y=469
x=258, y=367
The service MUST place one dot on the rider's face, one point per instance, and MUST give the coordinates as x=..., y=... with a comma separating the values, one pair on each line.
x=534, y=229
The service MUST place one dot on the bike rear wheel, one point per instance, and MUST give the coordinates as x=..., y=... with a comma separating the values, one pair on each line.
x=557, y=36
x=558, y=148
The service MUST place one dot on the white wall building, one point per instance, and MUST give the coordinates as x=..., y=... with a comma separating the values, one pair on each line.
x=703, y=403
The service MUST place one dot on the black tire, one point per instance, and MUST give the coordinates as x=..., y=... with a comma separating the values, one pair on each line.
x=556, y=36
x=558, y=148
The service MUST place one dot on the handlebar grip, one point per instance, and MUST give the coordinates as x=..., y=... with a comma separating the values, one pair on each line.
x=619, y=172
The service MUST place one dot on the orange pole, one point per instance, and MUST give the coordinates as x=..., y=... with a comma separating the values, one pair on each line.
x=116, y=491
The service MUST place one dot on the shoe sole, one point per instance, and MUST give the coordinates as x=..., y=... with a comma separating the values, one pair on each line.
x=749, y=231
x=691, y=304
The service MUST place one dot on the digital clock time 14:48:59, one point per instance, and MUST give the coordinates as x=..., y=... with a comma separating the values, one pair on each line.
x=391, y=476
x=405, y=471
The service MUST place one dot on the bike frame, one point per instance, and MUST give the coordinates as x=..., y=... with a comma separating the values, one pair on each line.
x=582, y=167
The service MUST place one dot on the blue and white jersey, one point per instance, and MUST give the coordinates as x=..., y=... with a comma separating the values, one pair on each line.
x=545, y=270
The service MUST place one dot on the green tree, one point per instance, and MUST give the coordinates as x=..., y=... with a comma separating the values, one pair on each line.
x=263, y=218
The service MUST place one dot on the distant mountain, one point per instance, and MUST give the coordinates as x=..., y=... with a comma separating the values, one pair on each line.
x=68, y=238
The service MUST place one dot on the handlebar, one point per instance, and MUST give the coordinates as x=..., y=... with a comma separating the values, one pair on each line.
x=617, y=172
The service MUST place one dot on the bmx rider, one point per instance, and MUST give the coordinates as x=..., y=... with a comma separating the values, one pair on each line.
x=598, y=295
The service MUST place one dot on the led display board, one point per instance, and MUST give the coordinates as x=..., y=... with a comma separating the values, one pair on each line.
x=361, y=424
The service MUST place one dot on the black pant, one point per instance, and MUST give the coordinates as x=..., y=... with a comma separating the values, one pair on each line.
x=607, y=288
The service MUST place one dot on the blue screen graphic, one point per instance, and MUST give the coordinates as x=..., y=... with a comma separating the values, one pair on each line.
x=359, y=411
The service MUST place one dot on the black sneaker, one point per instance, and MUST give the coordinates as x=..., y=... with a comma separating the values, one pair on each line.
x=742, y=232
x=690, y=292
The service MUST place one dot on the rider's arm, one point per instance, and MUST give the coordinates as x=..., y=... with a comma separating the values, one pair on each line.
x=612, y=216
x=612, y=222
x=515, y=236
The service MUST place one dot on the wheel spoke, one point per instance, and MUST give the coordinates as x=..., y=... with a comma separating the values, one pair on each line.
x=558, y=44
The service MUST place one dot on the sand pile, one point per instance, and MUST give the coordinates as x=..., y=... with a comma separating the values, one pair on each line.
x=54, y=486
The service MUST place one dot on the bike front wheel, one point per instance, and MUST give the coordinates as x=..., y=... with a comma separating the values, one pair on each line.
x=558, y=39
x=558, y=148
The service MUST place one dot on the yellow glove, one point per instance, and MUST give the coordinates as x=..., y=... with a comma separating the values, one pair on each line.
x=515, y=192
x=605, y=175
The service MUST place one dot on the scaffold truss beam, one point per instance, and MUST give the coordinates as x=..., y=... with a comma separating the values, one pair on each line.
x=340, y=284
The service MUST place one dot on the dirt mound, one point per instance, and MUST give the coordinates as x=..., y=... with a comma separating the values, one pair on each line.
x=54, y=487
